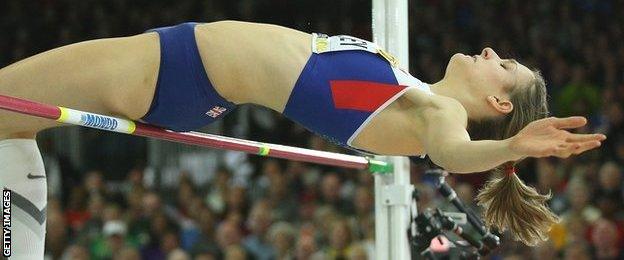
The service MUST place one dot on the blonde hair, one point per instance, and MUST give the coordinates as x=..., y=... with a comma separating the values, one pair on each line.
x=509, y=203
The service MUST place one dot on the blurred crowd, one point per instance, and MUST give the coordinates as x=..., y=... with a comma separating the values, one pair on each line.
x=277, y=209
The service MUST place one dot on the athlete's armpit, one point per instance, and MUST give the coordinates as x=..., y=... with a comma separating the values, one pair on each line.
x=443, y=125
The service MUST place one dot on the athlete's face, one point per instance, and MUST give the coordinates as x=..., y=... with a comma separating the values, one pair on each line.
x=487, y=75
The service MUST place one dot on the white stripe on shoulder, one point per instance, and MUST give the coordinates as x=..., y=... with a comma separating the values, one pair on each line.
x=405, y=79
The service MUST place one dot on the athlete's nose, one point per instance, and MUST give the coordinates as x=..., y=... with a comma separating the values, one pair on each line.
x=489, y=53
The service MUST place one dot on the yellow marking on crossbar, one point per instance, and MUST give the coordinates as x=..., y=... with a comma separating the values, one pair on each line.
x=64, y=115
x=131, y=127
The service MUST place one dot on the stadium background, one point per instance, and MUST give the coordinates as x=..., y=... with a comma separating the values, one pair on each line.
x=122, y=197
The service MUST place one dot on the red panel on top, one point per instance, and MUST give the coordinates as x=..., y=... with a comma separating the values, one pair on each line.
x=362, y=95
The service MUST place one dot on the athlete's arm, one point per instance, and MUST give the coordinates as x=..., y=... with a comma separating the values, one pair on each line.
x=448, y=144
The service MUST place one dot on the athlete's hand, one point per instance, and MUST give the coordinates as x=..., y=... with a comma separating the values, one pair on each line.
x=547, y=137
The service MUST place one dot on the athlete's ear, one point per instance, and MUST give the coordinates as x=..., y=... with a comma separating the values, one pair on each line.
x=500, y=105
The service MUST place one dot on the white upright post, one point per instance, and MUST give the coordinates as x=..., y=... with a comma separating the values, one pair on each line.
x=393, y=192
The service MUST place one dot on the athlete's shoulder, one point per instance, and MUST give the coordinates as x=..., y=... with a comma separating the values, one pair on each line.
x=450, y=108
x=435, y=107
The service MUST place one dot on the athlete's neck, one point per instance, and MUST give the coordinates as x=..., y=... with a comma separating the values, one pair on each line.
x=456, y=91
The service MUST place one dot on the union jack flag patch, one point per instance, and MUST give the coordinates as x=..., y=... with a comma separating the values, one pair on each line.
x=216, y=111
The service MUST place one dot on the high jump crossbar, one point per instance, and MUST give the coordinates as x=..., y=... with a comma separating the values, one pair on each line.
x=114, y=124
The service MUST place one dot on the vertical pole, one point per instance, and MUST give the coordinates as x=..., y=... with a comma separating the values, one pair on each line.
x=382, y=225
x=392, y=192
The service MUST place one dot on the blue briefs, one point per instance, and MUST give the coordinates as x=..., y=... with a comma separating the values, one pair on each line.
x=185, y=99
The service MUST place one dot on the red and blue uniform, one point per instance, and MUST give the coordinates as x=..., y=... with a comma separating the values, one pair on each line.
x=344, y=84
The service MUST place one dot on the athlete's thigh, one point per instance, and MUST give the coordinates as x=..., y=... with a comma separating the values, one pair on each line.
x=109, y=76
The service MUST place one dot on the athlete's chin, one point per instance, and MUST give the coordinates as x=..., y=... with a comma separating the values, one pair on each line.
x=456, y=58
x=462, y=57
x=459, y=67
x=461, y=61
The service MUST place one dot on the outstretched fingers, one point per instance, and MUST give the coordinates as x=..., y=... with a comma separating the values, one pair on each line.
x=577, y=144
x=551, y=137
x=568, y=122
x=585, y=137
x=567, y=149
x=579, y=148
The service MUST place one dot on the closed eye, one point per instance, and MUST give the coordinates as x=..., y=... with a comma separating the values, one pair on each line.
x=506, y=64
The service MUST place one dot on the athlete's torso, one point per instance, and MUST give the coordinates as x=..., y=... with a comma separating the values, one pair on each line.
x=260, y=64
x=253, y=63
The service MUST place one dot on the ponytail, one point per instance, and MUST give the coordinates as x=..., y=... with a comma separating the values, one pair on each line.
x=509, y=203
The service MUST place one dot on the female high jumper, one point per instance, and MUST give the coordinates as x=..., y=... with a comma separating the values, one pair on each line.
x=485, y=113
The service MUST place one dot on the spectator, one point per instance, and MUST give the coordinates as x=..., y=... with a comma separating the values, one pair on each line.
x=363, y=222
x=57, y=235
x=205, y=243
x=257, y=243
x=545, y=250
x=330, y=193
x=577, y=251
x=548, y=181
x=158, y=244
x=129, y=253
x=170, y=245
x=610, y=178
x=206, y=256
x=235, y=252
x=228, y=234
x=339, y=241
x=578, y=196
x=94, y=182
x=306, y=243
x=76, y=212
x=218, y=191
x=178, y=254
x=283, y=204
x=358, y=252
x=605, y=241
x=76, y=252
x=236, y=201
x=151, y=204
x=282, y=237
x=185, y=194
x=113, y=241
